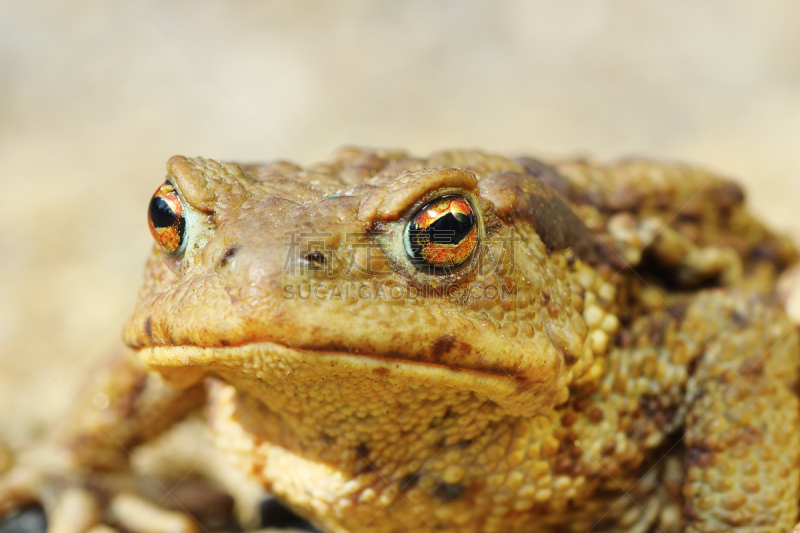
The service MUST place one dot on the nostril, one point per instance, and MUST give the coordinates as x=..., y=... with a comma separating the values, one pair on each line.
x=228, y=255
x=316, y=260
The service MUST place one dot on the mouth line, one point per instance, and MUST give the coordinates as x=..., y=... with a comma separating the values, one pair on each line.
x=330, y=351
x=255, y=357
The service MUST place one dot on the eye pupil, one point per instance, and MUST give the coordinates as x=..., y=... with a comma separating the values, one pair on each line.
x=450, y=228
x=166, y=219
x=443, y=233
x=161, y=213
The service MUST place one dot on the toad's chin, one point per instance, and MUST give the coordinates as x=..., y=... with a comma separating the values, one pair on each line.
x=266, y=364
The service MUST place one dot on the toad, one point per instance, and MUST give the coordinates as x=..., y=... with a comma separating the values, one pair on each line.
x=462, y=342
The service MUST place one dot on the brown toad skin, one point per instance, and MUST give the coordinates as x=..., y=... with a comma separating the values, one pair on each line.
x=633, y=370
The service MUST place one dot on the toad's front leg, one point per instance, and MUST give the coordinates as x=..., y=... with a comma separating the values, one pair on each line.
x=742, y=440
x=81, y=475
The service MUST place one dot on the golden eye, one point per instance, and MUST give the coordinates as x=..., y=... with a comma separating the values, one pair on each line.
x=166, y=219
x=443, y=233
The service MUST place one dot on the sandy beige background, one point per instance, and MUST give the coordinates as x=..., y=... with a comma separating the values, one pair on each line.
x=95, y=95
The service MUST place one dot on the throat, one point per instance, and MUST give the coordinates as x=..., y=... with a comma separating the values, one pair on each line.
x=361, y=426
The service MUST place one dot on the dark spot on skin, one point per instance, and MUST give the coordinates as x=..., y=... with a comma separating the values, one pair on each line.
x=562, y=465
x=690, y=513
x=740, y=319
x=608, y=448
x=729, y=195
x=148, y=327
x=571, y=259
x=607, y=273
x=652, y=409
x=753, y=366
x=625, y=316
x=228, y=255
x=624, y=338
x=334, y=347
x=623, y=199
x=510, y=286
x=747, y=436
x=693, y=210
x=327, y=439
x=362, y=450
x=570, y=359
x=580, y=404
x=638, y=429
x=409, y=482
x=699, y=395
x=569, y=418
x=693, y=364
x=443, y=345
x=678, y=310
x=648, y=405
x=381, y=371
x=656, y=333
x=664, y=417
x=662, y=201
x=464, y=443
x=447, y=492
x=701, y=457
x=546, y=296
x=570, y=438
x=595, y=199
x=368, y=467
x=596, y=415
x=765, y=251
x=225, y=342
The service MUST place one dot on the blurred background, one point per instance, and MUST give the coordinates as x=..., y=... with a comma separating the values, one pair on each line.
x=95, y=95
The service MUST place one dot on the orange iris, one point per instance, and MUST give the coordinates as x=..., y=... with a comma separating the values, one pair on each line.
x=165, y=218
x=443, y=233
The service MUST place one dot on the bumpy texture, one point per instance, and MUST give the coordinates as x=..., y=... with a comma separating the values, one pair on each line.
x=613, y=356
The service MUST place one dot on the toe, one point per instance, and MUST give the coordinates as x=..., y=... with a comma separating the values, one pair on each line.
x=789, y=293
x=75, y=511
x=139, y=515
x=18, y=488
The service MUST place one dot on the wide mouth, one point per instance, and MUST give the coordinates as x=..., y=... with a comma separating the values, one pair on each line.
x=271, y=363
